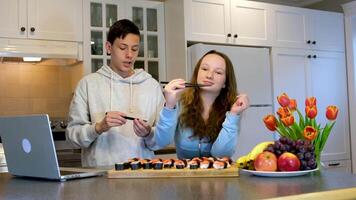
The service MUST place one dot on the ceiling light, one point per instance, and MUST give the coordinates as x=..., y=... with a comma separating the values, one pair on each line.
x=31, y=59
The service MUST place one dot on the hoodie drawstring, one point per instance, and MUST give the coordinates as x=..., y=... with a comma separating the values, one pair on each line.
x=131, y=96
x=111, y=88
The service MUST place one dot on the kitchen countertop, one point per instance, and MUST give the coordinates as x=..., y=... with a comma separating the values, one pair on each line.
x=243, y=187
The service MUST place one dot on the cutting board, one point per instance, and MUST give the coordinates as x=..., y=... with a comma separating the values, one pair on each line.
x=233, y=171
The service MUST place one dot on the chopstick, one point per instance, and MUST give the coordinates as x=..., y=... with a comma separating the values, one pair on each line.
x=132, y=118
x=187, y=84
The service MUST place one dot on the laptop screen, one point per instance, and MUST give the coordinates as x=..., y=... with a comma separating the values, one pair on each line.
x=29, y=146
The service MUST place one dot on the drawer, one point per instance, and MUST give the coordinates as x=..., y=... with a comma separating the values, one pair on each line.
x=337, y=165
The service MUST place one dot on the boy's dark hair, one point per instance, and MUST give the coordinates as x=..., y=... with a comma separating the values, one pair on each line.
x=121, y=28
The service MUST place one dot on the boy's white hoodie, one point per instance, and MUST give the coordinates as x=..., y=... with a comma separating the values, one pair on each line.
x=138, y=96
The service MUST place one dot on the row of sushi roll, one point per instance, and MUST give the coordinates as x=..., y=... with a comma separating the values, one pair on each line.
x=157, y=163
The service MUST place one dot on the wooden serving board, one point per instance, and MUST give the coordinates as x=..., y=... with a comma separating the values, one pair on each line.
x=233, y=171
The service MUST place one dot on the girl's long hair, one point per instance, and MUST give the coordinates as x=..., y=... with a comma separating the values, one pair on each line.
x=192, y=107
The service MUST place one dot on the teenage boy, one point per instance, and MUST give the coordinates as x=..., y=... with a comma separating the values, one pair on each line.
x=113, y=110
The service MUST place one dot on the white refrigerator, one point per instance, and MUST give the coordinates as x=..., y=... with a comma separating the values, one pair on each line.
x=253, y=73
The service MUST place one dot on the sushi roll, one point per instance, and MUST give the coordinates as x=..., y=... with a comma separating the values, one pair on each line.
x=197, y=159
x=219, y=164
x=206, y=164
x=121, y=166
x=180, y=164
x=227, y=160
x=168, y=163
x=146, y=163
x=158, y=165
x=135, y=165
x=193, y=164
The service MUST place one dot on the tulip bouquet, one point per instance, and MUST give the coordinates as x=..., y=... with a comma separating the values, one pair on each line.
x=306, y=128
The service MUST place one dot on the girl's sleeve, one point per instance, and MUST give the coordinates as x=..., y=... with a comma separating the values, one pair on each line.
x=226, y=141
x=163, y=133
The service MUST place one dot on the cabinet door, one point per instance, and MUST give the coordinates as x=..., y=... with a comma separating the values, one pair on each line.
x=328, y=31
x=289, y=74
x=149, y=17
x=329, y=86
x=250, y=23
x=207, y=20
x=291, y=27
x=13, y=16
x=55, y=20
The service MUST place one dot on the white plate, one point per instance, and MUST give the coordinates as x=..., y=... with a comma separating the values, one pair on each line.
x=279, y=174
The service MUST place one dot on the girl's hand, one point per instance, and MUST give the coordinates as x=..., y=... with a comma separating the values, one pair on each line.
x=111, y=119
x=242, y=102
x=141, y=128
x=172, y=90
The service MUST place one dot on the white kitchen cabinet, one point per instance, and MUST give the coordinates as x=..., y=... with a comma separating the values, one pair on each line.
x=228, y=21
x=308, y=29
x=207, y=20
x=147, y=15
x=251, y=23
x=304, y=73
x=337, y=165
x=42, y=19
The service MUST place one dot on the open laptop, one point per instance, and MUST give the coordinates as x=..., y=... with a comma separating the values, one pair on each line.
x=30, y=151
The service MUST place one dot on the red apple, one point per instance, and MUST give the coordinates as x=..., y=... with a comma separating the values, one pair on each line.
x=266, y=161
x=288, y=162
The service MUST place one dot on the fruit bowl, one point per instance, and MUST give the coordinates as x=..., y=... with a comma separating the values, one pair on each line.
x=278, y=174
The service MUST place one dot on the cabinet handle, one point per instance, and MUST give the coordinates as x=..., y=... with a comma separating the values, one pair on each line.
x=229, y=35
x=314, y=56
x=235, y=36
x=333, y=164
x=23, y=29
x=309, y=56
x=308, y=42
x=32, y=29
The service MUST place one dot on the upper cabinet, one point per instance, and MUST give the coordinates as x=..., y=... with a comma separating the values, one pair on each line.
x=250, y=23
x=149, y=18
x=42, y=19
x=224, y=21
x=309, y=29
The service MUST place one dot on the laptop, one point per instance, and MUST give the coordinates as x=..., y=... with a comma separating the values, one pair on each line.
x=30, y=151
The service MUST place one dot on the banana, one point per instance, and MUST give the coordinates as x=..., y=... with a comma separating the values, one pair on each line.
x=242, y=161
x=258, y=149
x=246, y=161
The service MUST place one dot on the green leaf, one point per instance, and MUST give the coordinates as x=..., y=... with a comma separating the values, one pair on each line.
x=325, y=135
x=301, y=119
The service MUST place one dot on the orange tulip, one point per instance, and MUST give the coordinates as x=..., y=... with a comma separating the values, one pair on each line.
x=311, y=111
x=288, y=121
x=283, y=100
x=310, y=133
x=283, y=112
x=331, y=112
x=311, y=101
x=292, y=104
x=270, y=122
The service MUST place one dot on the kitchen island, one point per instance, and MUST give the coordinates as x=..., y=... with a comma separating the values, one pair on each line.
x=243, y=187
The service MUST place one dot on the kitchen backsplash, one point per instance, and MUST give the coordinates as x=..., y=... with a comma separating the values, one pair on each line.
x=35, y=88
